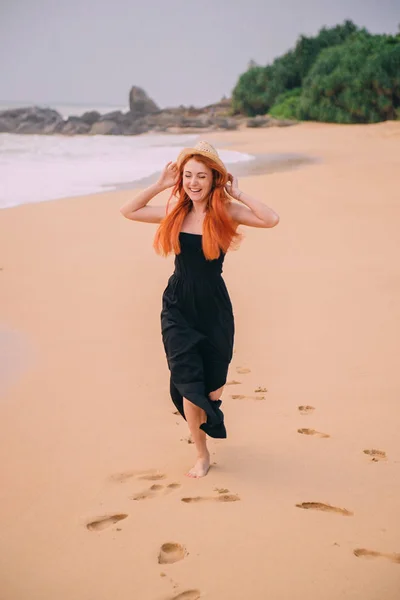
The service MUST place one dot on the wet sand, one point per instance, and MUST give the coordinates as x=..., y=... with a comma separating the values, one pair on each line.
x=260, y=164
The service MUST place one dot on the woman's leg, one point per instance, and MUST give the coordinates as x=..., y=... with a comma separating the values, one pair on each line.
x=195, y=416
x=216, y=394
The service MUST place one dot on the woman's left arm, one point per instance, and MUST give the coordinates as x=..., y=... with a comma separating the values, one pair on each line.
x=250, y=212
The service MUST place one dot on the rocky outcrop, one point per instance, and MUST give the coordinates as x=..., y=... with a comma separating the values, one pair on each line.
x=103, y=128
x=266, y=121
x=140, y=104
x=182, y=118
x=6, y=125
x=143, y=116
x=30, y=120
x=74, y=126
x=90, y=117
x=119, y=123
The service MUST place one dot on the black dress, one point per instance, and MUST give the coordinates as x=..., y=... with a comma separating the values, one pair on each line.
x=198, y=331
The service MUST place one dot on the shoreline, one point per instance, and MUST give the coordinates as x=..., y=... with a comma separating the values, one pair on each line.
x=258, y=164
x=261, y=164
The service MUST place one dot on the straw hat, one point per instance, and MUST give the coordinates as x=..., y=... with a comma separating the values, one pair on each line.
x=202, y=149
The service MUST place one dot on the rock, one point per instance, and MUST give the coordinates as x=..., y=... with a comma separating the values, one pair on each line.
x=200, y=122
x=140, y=104
x=285, y=122
x=267, y=121
x=31, y=119
x=122, y=125
x=223, y=108
x=229, y=124
x=143, y=116
x=258, y=121
x=6, y=125
x=163, y=120
x=183, y=118
x=90, y=117
x=116, y=116
x=102, y=128
x=74, y=126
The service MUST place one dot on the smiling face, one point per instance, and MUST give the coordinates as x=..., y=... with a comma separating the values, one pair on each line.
x=197, y=180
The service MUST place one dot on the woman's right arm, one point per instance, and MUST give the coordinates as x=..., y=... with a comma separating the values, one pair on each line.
x=137, y=209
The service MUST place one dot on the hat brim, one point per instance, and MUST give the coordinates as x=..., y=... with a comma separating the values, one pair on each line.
x=194, y=152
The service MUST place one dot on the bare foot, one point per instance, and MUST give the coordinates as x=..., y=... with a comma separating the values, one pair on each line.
x=201, y=467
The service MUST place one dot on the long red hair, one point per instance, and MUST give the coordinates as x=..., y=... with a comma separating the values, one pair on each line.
x=219, y=230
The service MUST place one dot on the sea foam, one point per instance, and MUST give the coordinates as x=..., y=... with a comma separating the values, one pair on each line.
x=36, y=168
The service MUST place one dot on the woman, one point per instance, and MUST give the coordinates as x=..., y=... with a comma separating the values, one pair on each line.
x=196, y=319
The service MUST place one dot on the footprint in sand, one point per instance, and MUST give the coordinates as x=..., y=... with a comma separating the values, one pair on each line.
x=233, y=382
x=243, y=397
x=104, y=522
x=149, y=475
x=188, y=440
x=221, y=490
x=188, y=595
x=152, y=477
x=261, y=389
x=376, y=455
x=242, y=370
x=220, y=498
x=156, y=490
x=362, y=552
x=306, y=431
x=325, y=508
x=305, y=409
x=171, y=552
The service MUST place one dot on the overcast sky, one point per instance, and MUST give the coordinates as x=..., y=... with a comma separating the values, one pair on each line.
x=179, y=51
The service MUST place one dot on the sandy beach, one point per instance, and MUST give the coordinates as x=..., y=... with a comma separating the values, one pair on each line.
x=302, y=500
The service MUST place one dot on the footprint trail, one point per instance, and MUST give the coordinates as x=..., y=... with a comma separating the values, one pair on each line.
x=242, y=370
x=364, y=553
x=325, y=508
x=155, y=490
x=306, y=431
x=305, y=409
x=170, y=553
x=188, y=595
x=104, y=522
x=220, y=498
x=375, y=454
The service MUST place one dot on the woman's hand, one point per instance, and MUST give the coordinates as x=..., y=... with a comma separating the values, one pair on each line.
x=232, y=187
x=169, y=176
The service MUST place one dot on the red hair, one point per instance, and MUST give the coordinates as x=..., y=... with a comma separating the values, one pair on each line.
x=219, y=229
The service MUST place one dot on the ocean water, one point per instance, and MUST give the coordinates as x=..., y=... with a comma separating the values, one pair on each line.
x=36, y=168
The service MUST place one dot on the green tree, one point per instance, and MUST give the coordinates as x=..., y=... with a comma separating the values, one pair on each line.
x=258, y=89
x=356, y=82
x=249, y=95
x=287, y=105
x=307, y=49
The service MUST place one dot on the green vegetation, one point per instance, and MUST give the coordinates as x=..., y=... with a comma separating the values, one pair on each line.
x=249, y=95
x=342, y=75
x=287, y=105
